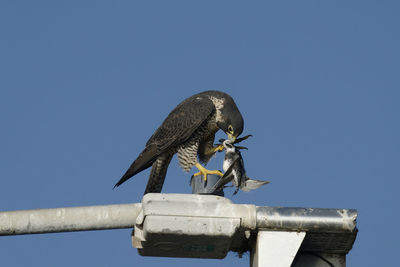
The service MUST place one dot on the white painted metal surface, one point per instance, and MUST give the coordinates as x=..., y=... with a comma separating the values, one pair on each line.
x=276, y=249
x=198, y=226
x=68, y=219
x=205, y=226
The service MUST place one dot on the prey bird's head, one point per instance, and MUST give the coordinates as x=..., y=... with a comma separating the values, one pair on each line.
x=229, y=147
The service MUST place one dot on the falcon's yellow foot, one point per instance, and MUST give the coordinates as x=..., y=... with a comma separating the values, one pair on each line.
x=203, y=171
x=218, y=148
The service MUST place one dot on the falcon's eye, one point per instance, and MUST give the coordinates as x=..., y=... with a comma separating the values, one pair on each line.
x=230, y=129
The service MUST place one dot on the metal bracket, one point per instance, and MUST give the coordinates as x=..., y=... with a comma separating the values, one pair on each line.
x=275, y=248
x=196, y=226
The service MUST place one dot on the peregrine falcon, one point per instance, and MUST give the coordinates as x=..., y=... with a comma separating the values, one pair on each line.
x=188, y=130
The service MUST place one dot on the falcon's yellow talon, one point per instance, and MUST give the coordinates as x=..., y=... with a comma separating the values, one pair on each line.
x=203, y=171
x=219, y=148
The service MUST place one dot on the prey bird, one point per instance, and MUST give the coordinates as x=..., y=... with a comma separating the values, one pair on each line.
x=234, y=169
x=189, y=130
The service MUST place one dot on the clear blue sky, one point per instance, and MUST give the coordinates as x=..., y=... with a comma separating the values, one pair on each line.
x=85, y=83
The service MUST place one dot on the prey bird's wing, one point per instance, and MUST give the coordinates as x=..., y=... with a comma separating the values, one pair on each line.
x=226, y=178
x=175, y=130
x=252, y=184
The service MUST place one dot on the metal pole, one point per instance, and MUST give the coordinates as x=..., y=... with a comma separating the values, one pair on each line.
x=168, y=225
x=68, y=219
x=307, y=219
x=199, y=186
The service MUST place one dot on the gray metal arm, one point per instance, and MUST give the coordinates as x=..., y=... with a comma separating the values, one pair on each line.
x=68, y=219
x=205, y=226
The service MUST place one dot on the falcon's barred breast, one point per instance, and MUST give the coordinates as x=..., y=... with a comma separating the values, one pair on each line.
x=188, y=130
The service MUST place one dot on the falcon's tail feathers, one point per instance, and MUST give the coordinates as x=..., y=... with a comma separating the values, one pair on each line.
x=145, y=160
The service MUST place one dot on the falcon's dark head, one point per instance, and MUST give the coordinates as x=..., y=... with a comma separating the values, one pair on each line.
x=228, y=116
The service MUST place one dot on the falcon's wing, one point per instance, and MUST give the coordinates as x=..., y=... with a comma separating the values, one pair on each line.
x=176, y=129
x=182, y=122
